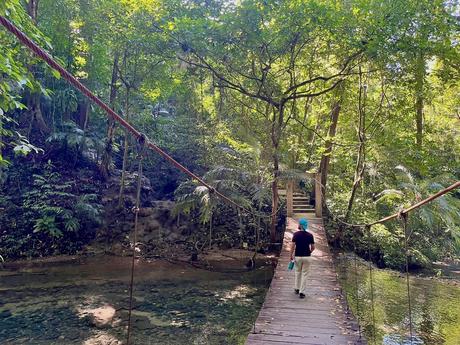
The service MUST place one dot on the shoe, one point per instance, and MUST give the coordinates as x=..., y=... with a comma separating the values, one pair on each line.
x=296, y=291
x=302, y=295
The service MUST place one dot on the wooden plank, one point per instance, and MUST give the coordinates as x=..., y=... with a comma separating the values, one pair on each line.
x=319, y=319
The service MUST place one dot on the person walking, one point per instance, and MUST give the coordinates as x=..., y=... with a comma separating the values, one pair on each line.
x=303, y=244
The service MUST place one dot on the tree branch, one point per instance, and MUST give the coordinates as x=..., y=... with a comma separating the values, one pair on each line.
x=323, y=78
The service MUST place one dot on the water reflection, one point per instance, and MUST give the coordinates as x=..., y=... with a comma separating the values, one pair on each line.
x=435, y=305
x=395, y=339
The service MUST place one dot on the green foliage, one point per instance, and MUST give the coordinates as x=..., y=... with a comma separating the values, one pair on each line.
x=15, y=78
x=54, y=210
x=54, y=218
x=241, y=186
x=389, y=245
x=206, y=81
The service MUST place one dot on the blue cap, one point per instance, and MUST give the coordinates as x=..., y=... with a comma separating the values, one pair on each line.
x=303, y=223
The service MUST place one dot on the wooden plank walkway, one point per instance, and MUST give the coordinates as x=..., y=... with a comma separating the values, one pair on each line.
x=319, y=319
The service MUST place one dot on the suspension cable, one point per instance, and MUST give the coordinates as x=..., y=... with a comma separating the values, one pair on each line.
x=357, y=290
x=136, y=209
x=420, y=203
x=371, y=279
x=403, y=218
x=393, y=216
x=41, y=53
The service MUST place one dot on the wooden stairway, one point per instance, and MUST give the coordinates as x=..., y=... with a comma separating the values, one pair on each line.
x=301, y=206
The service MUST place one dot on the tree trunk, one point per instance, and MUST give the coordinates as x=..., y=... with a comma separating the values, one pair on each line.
x=107, y=155
x=313, y=136
x=419, y=98
x=125, y=154
x=360, y=160
x=33, y=98
x=81, y=115
x=278, y=118
x=35, y=115
x=32, y=9
x=325, y=159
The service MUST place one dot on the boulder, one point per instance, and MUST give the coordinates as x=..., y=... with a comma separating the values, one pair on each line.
x=146, y=211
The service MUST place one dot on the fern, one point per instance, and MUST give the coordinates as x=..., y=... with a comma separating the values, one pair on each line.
x=241, y=186
x=443, y=213
x=47, y=225
x=55, y=210
x=72, y=224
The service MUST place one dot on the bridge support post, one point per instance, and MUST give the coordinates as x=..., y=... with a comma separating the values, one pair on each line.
x=290, y=198
x=318, y=196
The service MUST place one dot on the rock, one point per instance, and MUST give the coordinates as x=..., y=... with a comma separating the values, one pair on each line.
x=5, y=313
x=174, y=237
x=146, y=211
x=117, y=248
x=184, y=230
x=151, y=226
x=101, y=317
x=148, y=237
x=142, y=323
x=225, y=244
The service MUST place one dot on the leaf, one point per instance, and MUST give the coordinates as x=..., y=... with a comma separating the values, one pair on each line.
x=22, y=149
x=56, y=73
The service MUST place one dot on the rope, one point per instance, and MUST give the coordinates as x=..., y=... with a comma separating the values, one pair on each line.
x=77, y=84
x=357, y=290
x=41, y=53
x=256, y=225
x=371, y=283
x=393, y=216
x=136, y=224
x=403, y=218
x=421, y=203
x=210, y=224
x=148, y=143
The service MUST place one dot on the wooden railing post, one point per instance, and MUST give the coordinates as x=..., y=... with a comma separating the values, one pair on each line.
x=318, y=196
x=290, y=198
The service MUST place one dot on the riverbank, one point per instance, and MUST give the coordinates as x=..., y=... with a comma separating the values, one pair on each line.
x=215, y=260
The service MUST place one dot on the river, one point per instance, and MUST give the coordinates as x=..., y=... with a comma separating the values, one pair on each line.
x=86, y=302
x=435, y=305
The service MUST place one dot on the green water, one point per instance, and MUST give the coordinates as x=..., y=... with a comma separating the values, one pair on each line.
x=435, y=305
x=173, y=304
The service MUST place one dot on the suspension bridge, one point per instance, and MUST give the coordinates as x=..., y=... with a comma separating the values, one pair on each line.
x=323, y=317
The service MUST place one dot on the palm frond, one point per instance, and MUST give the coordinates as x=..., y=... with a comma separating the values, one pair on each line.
x=403, y=171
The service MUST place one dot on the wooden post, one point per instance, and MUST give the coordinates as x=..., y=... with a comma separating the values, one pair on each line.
x=290, y=198
x=318, y=196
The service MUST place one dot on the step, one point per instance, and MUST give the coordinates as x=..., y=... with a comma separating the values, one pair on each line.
x=306, y=203
x=303, y=210
x=298, y=198
x=303, y=215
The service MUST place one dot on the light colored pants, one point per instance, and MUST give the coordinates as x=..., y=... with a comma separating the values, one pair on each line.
x=302, y=263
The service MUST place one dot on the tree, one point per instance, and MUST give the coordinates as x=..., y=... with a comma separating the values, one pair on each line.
x=270, y=54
